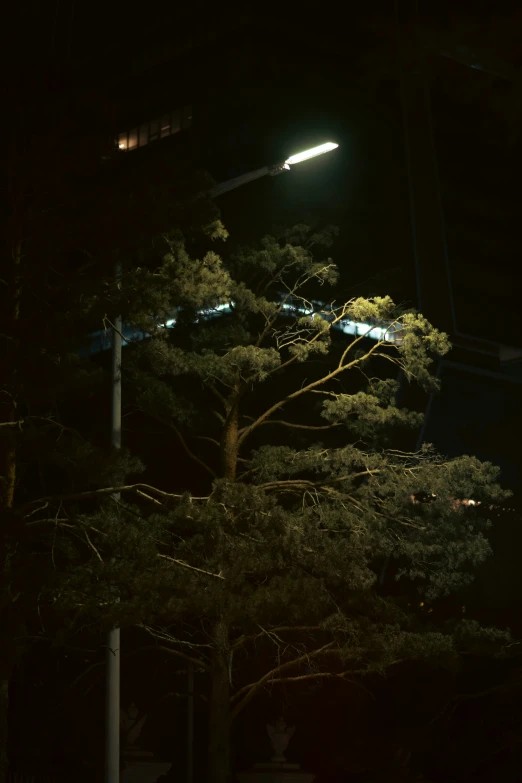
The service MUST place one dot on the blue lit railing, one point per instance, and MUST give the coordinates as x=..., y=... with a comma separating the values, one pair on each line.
x=101, y=340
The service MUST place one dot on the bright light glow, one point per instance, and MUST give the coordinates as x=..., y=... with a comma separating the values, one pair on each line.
x=122, y=145
x=311, y=153
x=101, y=340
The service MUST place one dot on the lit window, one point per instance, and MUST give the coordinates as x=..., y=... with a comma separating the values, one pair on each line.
x=144, y=134
x=133, y=139
x=156, y=129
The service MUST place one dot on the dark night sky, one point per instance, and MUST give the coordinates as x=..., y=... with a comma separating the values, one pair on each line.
x=269, y=84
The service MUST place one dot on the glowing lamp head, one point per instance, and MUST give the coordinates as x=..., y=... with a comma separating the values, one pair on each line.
x=311, y=153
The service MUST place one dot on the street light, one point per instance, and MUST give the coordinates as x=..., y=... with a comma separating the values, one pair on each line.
x=311, y=153
x=112, y=707
x=277, y=168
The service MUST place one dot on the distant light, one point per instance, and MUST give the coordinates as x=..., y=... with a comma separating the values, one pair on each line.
x=311, y=153
x=122, y=145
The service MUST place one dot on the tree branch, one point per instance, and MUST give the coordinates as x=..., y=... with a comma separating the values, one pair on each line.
x=137, y=489
x=45, y=419
x=192, y=568
x=248, y=691
x=167, y=637
x=183, y=442
x=302, y=426
x=91, y=545
x=318, y=675
x=289, y=484
x=278, y=629
x=245, y=431
x=210, y=440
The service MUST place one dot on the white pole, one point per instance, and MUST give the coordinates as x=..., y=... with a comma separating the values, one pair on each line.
x=112, y=728
x=190, y=723
x=112, y=705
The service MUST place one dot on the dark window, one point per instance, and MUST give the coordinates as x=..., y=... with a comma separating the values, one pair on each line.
x=144, y=134
x=154, y=130
x=176, y=121
x=186, y=117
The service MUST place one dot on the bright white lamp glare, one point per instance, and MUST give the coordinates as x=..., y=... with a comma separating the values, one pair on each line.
x=312, y=153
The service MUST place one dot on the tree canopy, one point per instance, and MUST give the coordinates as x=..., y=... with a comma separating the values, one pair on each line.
x=285, y=491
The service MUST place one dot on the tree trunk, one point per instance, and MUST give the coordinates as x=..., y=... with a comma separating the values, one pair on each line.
x=229, y=438
x=8, y=475
x=8, y=466
x=9, y=408
x=4, y=705
x=219, y=710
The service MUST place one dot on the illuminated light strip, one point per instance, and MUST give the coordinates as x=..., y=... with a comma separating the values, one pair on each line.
x=101, y=340
x=355, y=328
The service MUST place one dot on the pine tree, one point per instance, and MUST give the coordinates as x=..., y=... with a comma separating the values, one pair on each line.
x=273, y=539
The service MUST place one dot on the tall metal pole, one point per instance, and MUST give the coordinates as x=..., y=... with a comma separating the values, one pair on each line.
x=190, y=723
x=112, y=714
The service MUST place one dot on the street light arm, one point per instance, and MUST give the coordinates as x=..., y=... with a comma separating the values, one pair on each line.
x=236, y=182
x=273, y=170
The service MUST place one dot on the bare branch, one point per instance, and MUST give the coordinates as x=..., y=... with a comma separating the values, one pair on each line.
x=106, y=320
x=351, y=345
x=245, y=431
x=248, y=691
x=302, y=426
x=61, y=521
x=289, y=484
x=137, y=489
x=192, y=568
x=183, y=442
x=210, y=440
x=291, y=292
x=87, y=538
x=324, y=675
x=20, y=422
x=165, y=636
x=278, y=629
